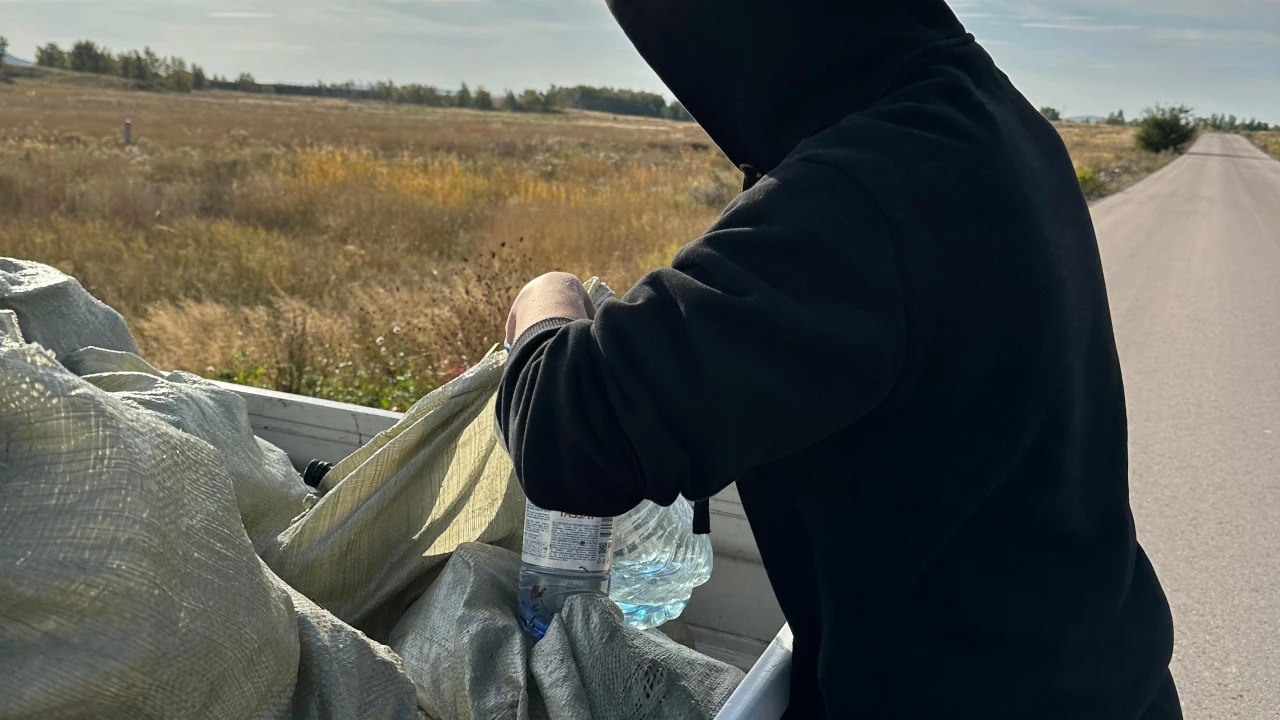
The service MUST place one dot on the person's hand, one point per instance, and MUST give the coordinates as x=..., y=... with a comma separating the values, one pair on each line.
x=554, y=295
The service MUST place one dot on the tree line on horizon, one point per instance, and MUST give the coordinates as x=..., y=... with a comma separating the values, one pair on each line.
x=151, y=71
x=1230, y=123
x=1216, y=121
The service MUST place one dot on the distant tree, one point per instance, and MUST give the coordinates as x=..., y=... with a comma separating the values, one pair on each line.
x=422, y=95
x=610, y=100
x=412, y=95
x=384, y=90
x=1170, y=127
x=4, y=49
x=177, y=76
x=151, y=63
x=1116, y=118
x=87, y=57
x=463, y=98
x=554, y=100
x=676, y=111
x=510, y=103
x=198, y=79
x=246, y=83
x=483, y=100
x=531, y=101
x=131, y=66
x=1051, y=114
x=51, y=56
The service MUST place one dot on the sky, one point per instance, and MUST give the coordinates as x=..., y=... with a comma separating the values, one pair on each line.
x=1087, y=57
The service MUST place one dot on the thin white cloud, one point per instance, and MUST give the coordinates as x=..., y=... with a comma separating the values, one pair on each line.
x=1217, y=10
x=260, y=46
x=1077, y=27
x=241, y=15
x=1200, y=35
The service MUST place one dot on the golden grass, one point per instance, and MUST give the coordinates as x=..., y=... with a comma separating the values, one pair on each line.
x=360, y=252
x=1268, y=141
x=1106, y=157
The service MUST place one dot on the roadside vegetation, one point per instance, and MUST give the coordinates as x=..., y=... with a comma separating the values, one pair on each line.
x=1167, y=128
x=1108, y=157
x=1116, y=152
x=1268, y=141
x=1111, y=153
x=364, y=252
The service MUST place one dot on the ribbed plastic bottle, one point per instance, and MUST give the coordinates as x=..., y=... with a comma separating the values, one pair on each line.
x=563, y=555
x=657, y=562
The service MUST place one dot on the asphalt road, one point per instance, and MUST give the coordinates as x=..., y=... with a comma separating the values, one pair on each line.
x=1192, y=258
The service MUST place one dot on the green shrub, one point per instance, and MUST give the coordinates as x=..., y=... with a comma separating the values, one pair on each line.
x=1164, y=128
x=1091, y=184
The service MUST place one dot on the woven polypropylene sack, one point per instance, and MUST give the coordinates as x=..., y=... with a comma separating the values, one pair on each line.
x=398, y=507
x=128, y=586
x=391, y=511
x=463, y=645
x=462, y=642
x=9, y=326
x=131, y=505
x=591, y=658
x=269, y=492
x=56, y=312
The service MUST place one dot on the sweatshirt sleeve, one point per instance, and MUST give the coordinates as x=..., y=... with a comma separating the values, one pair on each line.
x=776, y=329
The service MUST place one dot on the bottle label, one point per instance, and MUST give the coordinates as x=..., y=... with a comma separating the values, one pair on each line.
x=567, y=542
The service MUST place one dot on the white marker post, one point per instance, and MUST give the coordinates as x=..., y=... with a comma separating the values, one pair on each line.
x=128, y=133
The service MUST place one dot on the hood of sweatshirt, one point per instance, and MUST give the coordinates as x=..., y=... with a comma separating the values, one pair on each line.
x=762, y=75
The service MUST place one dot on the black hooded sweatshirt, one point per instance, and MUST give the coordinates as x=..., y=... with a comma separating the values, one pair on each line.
x=898, y=343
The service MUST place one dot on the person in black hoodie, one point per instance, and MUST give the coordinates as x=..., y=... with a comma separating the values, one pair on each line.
x=897, y=342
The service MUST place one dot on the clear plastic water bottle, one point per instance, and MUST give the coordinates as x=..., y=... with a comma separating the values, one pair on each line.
x=657, y=562
x=563, y=555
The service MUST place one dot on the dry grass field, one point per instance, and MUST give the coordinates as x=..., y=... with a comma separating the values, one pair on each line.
x=1106, y=158
x=360, y=252
x=1269, y=141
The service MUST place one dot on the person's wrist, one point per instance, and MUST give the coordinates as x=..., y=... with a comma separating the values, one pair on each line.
x=548, y=297
x=563, y=315
x=548, y=324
